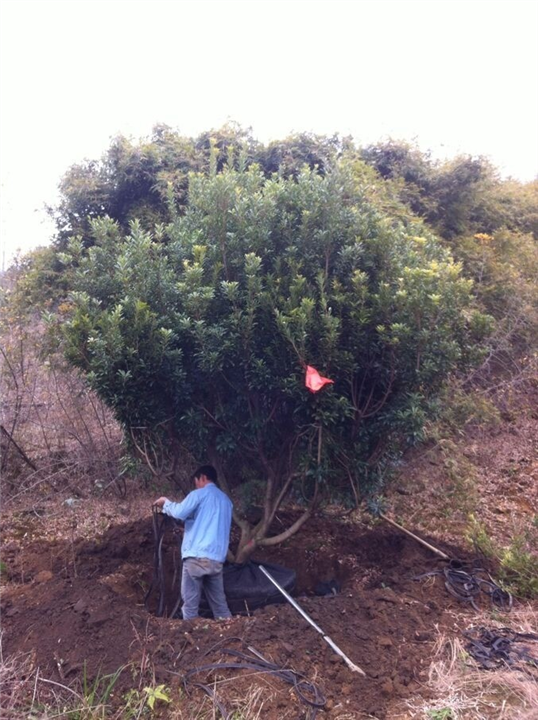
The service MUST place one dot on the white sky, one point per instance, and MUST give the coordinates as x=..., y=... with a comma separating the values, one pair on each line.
x=458, y=76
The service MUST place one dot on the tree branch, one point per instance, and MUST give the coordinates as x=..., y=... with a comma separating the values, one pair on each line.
x=21, y=452
x=297, y=525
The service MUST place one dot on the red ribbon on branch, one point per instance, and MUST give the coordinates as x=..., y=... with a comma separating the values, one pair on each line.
x=314, y=381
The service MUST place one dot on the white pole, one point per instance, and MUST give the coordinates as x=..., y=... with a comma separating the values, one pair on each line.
x=351, y=665
x=415, y=537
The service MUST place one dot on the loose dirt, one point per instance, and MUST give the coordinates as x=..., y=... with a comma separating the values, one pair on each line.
x=77, y=606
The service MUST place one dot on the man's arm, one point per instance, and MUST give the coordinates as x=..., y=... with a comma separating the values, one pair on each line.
x=182, y=510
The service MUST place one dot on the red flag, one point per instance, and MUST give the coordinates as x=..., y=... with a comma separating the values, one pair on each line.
x=314, y=381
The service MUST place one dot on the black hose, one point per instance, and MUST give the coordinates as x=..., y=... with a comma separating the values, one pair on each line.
x=466, y=585
x=308, y=692
x=492, y=648
x=158, y=582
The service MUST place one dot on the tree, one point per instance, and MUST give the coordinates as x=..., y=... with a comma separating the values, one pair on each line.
x=463, y=190
x=458, y=197
x=289, y=156
x=221, y=144
x=197, y=335
x=410, y=170
x=131, y=180
x=138, y=180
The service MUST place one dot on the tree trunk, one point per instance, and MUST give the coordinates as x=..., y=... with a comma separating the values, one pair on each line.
x=258, y=538
x=255, y=536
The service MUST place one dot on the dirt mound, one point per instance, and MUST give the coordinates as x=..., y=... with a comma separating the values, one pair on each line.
x=80, y=604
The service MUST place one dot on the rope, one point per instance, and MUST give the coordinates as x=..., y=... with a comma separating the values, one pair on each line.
x=308, y=692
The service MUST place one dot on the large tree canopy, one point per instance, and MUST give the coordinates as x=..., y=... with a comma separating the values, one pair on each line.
x=458, y=197
x=138, y=180
x=197, y=333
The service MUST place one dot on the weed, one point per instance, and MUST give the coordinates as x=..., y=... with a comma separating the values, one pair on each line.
x=458, y=409
x=461, y=692
x=518, y=565
x=461, y=474
x=134, y=704
x=442, y=714
x=161, y=692
x=98, y=692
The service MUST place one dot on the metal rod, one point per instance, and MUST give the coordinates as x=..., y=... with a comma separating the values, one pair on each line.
x=415, y=537
x=351, y=665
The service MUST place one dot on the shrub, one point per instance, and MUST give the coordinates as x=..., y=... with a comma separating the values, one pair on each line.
x=198, y=334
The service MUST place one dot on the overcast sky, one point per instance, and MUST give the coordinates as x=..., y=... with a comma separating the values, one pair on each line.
x=458, y=76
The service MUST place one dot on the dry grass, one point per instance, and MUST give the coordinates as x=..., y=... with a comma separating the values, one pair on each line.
x=462, y=691
x=25, y=693
x=488, y=467
x=16, y=676
x=250, y=706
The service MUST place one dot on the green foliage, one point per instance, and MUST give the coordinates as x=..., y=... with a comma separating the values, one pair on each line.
x=95, y=696
x=504, y=268
x=200, y=330
x=132, y=180
x=492, y=228
x=98, y=691
x=410, y=172
x=34, y=282
x=455, y=408
x=458, y=197
x=134, y=705
x=141, y=180
x=139, y=703
x=290, y=156
x=462, y=189
x=462, y=487
x=518, y=562
x=445, y=713
x=205, y=273
x=158, y=693
x=518, y=207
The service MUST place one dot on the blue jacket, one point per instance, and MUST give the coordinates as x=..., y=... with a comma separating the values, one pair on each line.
x=207, y=514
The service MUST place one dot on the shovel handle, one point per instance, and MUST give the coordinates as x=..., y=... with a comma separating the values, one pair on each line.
x=415, y=537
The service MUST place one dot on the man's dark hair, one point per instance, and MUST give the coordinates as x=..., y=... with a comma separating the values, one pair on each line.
x=207, y=470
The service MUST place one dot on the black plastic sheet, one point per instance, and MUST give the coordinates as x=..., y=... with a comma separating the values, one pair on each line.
x=247, y=588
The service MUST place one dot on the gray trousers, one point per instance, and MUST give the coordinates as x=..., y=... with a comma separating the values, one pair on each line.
x=203, y=574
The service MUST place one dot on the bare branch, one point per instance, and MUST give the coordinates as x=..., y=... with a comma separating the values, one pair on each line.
x=17, y=447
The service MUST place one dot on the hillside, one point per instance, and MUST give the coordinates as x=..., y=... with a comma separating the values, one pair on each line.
x=191, y=287
x=76, y=571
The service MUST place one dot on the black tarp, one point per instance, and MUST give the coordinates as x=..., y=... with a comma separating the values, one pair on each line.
x=247, y=588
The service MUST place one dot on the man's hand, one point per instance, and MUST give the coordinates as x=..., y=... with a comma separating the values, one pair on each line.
x=160, y=502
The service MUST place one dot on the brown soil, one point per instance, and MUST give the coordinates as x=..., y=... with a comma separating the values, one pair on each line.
x=75, y=578
x=491, y=471
x=77, y=603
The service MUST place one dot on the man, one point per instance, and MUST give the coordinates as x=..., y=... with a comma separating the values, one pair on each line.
x=207, y=514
